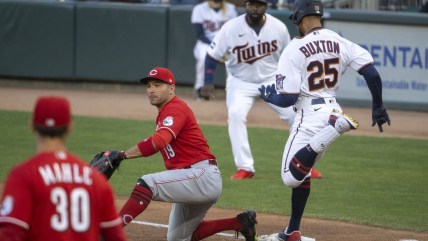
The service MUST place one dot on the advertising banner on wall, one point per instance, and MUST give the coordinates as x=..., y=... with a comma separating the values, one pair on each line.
x=400, y=55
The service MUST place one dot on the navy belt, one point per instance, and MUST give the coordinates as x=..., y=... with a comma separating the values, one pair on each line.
x=320, y=101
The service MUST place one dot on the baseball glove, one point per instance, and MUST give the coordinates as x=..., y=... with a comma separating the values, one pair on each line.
x=107, y=162
x=207, y=91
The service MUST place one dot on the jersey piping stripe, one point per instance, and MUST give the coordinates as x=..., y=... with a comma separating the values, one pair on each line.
x=112, y=223
x=182, y=179
x=15, y=221
x=169, y=129
x=292, y=140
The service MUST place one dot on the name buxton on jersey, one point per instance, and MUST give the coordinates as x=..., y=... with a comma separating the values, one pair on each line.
x=250, y=54
x=320, y=46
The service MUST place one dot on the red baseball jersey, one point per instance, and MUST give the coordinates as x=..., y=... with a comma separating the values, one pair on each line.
x=189, y=145
x=56, y=196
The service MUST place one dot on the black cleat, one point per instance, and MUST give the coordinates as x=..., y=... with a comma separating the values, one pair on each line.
x=248, y=221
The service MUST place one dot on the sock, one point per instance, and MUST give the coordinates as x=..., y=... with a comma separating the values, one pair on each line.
x=302, y=162
x=138, y=201
x=208, y=228
x=299, y=197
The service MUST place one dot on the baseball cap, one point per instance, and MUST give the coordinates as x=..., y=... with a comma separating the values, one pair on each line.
x=159, y=73
x=51, y=112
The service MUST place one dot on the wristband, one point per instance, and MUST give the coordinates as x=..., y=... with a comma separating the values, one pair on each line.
x=146, y=147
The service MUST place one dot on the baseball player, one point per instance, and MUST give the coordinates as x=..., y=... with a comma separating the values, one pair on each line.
x=192, y=180
x=309, y=73
x=252, y=43
x=54, y=195
x=207, y=19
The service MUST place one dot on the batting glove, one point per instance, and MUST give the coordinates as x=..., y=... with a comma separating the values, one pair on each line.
x=267, y=92
x=380, y=117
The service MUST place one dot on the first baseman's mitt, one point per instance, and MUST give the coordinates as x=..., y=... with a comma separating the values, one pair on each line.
x=207, y=91
x=107, y=162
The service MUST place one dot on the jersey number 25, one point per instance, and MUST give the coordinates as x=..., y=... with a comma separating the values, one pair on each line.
x=323, y=75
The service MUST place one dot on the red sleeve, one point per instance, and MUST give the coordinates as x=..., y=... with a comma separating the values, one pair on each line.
x=162, y=138
x=17, y=197
x=11, y=232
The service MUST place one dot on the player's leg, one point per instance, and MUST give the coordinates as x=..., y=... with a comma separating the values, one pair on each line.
x=139, y=200
x=239, y=100
x=289, y=115
x=184, y=219
x=299, y=157
x=286, y=114
x=244, y=223
x=173, y=186
x=199, y=52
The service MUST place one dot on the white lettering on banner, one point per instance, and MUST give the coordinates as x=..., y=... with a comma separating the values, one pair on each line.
x=396, y=84
x=398, y=56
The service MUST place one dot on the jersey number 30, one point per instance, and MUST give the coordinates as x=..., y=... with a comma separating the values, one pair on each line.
x=71, y=211
x=323, y=75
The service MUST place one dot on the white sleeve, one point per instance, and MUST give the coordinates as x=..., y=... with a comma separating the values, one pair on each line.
x=354, y=55
x=288, y=76
x=196, y=15
x=219, y=46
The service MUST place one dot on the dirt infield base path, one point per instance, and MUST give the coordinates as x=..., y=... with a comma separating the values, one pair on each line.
x=130, y=102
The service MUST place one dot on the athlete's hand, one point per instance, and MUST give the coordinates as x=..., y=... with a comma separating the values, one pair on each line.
x=266, y=92
x=380, y=117
x=207, y=91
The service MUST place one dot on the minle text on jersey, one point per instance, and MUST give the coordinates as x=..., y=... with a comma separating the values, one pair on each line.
x=65, y=173
x=320, y=46
x=250, y=54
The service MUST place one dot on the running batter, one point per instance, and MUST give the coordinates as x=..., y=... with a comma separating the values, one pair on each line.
x=207, y=19
x=192, y=181
x=309, y=74
x=252, y=43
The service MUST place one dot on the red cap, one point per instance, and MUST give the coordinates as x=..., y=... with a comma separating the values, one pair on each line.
x=159, y=73
x=51, y=111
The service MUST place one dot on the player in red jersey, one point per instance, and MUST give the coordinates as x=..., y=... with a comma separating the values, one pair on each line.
x=192, y=181
x=54, y=195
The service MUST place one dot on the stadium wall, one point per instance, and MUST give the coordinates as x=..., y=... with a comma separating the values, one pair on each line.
x=120, y=42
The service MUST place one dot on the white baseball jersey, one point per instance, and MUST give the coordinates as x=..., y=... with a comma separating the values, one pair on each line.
x=210, y=19
x=312, y=65
x=244, y=48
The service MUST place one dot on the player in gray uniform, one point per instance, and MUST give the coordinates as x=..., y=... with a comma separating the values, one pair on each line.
x=252, y=43
x=308, y=76
x=192, y=180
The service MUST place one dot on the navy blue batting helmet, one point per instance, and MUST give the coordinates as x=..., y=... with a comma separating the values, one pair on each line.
x=262, y=1
x=303, y=8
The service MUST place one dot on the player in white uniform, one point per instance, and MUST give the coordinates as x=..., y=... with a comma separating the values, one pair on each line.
x=207, y=19
x=309, y=73
x=252, y=43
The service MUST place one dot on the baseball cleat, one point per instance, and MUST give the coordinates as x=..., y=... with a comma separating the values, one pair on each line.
x=281, y=236
x=248, y=222
x=242, y=174
x=316, y=174
x=198, y=96
x=343, y=122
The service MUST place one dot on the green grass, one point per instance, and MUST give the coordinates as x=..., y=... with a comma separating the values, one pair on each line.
x=367, y=180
